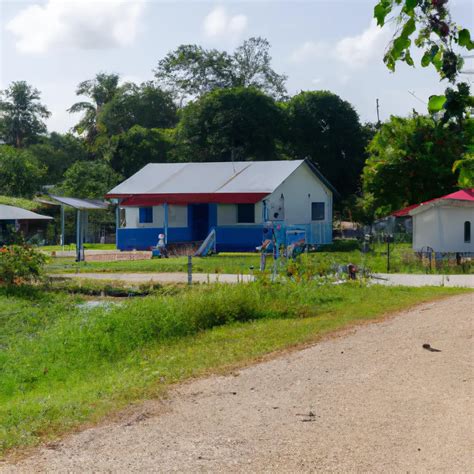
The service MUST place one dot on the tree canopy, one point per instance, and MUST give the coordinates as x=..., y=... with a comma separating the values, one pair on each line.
x=411, y=161
x=191, y=71
x=239, y=123
x=21, y=174
x=21, y=114
x=326, y=129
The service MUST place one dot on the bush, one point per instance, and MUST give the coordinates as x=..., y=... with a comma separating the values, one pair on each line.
x=20, y=264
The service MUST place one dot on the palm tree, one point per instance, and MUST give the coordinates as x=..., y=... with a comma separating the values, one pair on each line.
x=100, y=90
x=21, y=114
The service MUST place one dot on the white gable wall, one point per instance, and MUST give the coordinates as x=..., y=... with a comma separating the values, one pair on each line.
x=442, y=229
x=299, y=190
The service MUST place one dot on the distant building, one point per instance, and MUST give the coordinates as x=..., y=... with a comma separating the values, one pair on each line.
x=185, y=201
x=445, y=224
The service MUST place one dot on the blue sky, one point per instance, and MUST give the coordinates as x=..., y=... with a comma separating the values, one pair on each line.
x=332, y=45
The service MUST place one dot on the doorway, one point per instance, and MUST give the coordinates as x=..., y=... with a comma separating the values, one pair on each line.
x=199, y=221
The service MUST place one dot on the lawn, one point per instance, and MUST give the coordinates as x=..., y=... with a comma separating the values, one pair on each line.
x=402, y=260
x=62, y=364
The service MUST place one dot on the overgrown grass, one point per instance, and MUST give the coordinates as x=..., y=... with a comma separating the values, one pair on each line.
x=20, y=202
x=62, y=365
x=71, y=247
x=402, y=260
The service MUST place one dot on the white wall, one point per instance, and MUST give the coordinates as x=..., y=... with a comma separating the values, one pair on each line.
x=299, y=190
x=177, y=217
x=442, y=229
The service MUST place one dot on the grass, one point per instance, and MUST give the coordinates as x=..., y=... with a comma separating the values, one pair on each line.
x=402, y=260
x=59, y=248
x=62, y=365
x=20, y=202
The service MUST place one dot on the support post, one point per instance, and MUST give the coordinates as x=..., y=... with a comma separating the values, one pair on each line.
x=63, y=240
x=165, y=205
x=190, y=270
x=78, y=235
x=117, y=223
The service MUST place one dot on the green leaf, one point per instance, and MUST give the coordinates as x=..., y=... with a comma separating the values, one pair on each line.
x=409, y=28
x=436, y=103
x=426, y=59
x=464, y=39
x=381, y=10
x=410, y=5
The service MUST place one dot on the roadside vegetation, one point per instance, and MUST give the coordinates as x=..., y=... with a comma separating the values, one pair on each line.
x=324, y=261
x=64, y=363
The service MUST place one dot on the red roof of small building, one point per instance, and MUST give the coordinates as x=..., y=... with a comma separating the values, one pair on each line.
x=461, y=195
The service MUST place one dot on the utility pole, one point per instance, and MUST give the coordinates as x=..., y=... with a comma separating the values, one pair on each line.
x=378, y=112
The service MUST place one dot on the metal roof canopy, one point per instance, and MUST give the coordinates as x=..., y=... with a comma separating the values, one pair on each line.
x=13, y=213
x=222, y=179
x=81, y=204
x=82, y=207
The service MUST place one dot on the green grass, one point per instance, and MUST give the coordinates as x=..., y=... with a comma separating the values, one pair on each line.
x=20, y=202
x=62, y=365
x=402, y=260
x=58, y=248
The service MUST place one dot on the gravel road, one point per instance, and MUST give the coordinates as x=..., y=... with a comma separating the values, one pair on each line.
x=371, y=400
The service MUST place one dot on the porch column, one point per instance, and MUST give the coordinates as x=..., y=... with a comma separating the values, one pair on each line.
x=165, y=207
x=62, y=226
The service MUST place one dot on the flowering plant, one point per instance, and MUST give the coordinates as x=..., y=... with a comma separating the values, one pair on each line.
x=20, y=264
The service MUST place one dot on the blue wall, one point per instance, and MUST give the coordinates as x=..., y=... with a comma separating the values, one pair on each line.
x=229, y=238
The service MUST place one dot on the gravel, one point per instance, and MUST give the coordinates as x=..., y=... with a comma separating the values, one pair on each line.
x=370, y=400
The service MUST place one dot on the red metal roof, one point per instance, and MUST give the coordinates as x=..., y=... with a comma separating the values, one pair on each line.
x=461, y=195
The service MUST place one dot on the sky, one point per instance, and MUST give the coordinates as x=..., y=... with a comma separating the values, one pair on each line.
x=319, y=44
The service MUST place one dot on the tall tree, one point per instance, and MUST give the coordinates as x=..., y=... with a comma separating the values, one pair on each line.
x=191, y=71
x=89, y=179
x=135, y=148
x=21, y=175
x=239, y=123
x=326, y=129
x=410, y=161
x=100, y=91
x=21, y=114
x=146, y=106
x=57, y=152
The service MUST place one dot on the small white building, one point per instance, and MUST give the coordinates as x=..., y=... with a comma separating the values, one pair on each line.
x=445, y=224
x=185, y=201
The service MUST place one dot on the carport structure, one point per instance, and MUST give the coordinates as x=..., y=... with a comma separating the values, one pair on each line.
x=82, y=207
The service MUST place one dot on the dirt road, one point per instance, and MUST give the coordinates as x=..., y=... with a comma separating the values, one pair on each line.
x=373, y=400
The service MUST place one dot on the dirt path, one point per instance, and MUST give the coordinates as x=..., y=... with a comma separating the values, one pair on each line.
x=373, y=400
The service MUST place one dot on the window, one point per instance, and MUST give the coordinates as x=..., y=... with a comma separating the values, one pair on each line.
x=246, y=213
x=145, y=215
x=467, y=231
x=317, y=211
x=122, y=217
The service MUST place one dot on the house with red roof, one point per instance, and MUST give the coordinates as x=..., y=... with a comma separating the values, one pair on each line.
x=443, y=224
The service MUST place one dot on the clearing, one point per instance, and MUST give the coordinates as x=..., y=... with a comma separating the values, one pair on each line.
x=371, y=400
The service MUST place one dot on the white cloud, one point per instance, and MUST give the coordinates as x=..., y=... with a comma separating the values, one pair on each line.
x=353, y=51
x=310, y=50
x=359, y=50
x=220, y=23
x=76, y=24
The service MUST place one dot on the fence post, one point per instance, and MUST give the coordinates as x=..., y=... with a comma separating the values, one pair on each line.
x=190, y=270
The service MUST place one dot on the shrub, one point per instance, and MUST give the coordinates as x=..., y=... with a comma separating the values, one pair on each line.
x=20, y=264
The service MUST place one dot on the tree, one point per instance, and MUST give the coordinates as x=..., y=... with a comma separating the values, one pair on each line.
x=239, y=123
x=145, y=105
x=100, y=90
x=441, y=40
x=135, y=148
x=57, y=153
x=21, y=114
x=326, y=129
x=443, y=43
x=21, y=174
x=192, y=71
x=411, y=161
x=89, y=179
